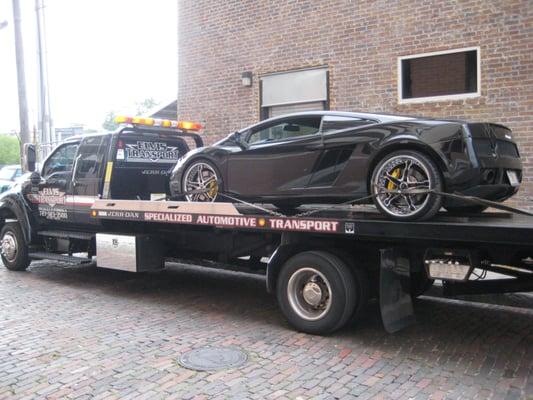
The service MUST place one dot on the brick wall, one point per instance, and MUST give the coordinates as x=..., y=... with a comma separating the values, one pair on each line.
x=359, y=41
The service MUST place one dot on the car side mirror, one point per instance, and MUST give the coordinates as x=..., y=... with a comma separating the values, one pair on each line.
x=238, y=139
x=29, y=157
x=35, y=179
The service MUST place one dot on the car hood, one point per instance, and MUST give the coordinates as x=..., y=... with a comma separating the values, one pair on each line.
x=6, y=182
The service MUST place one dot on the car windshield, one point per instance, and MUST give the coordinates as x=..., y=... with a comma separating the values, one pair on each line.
x=7, y=173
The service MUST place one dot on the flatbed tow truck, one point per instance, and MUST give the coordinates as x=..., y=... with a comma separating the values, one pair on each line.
x=322, y=262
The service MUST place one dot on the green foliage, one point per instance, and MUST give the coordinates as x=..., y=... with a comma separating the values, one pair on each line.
x=142, y=108
x=109, y=122
x=146, y=105
x=9, y=150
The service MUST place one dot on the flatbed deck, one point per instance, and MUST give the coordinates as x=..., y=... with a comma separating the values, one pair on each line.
x=361, y=222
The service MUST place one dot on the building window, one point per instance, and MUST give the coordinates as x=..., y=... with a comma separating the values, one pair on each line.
x=443, y=75
x=294, y=91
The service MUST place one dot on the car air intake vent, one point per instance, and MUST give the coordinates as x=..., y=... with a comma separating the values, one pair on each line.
x=507, y=149
x=485, y=147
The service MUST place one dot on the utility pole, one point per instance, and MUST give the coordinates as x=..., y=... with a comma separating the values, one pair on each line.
x=21, y=78
x=46, y=130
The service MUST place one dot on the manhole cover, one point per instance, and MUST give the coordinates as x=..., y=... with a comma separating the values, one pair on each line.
x=213, y=358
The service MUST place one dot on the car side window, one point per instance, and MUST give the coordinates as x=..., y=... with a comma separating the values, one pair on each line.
x=332, y=123
x=61, y=160
x=91, y=156
x=290, y=128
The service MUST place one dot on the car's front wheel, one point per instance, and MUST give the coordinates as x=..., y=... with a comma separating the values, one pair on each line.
x=401, y=182
x=201, y=182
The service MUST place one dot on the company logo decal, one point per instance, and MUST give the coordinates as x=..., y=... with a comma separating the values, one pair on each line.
x=51, y=196
x=156, y=152
x=349, y=227
x=231, y=221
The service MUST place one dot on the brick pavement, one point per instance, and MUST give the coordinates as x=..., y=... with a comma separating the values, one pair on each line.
x=84, y=333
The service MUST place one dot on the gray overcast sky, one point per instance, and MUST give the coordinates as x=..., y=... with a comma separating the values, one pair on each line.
x=103, y=55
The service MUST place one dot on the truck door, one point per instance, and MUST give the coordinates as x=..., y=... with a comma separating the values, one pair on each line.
x=51, y=198
x=87, y=176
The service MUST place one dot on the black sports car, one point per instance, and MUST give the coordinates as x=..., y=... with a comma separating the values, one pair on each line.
x=333, y=157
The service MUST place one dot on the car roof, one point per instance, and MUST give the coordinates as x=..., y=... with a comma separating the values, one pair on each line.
x=380, y=118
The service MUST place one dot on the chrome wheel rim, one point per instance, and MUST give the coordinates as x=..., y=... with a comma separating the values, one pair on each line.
x=395, y=180
x=309, y=294
x=203, y=179
x=9, y=247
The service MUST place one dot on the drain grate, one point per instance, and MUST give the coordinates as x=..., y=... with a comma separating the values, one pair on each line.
x=213, y=358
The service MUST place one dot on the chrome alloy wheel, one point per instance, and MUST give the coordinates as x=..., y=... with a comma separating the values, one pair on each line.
x=203, y=178
x=309, y=293
x=9, y=247
x=395, y=179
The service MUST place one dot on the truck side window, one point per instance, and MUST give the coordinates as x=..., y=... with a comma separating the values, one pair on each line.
x=61, y=160
x=91, y=156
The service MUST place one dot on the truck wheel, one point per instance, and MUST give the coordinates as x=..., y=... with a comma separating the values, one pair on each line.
x=14, y=251
x=317, y=292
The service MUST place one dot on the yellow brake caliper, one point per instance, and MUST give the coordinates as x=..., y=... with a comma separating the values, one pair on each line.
x=395, y=174
x=213, y=189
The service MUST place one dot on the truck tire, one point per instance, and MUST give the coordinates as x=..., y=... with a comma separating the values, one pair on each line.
x=14, y=251
x=317, y=292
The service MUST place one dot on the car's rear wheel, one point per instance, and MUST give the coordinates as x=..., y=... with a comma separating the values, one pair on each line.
x=400, y=182
x=201, y=182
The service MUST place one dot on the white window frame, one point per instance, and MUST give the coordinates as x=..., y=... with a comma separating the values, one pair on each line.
x=444, y=97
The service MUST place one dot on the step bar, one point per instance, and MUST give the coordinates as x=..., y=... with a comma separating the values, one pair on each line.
x=60, y=257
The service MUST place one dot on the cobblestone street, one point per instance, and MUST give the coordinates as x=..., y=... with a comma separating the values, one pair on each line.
x=81, y=332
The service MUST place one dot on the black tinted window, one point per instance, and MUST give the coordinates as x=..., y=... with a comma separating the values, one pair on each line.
x=61, y=160
x=336, y=123
x=287, y=129
x=440, y=75
x=91, y=157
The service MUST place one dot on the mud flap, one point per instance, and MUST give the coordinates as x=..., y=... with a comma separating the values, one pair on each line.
x=394, y=290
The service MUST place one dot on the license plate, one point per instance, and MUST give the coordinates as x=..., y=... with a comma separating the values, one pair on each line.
x=513, y=178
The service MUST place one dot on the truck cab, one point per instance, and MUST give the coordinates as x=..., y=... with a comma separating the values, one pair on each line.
x=52, y=209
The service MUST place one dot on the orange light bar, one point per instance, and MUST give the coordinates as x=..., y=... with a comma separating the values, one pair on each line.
x=121, y=119
x=165, y=123
x=189, y=126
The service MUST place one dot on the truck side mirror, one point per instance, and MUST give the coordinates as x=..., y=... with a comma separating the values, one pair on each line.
x=35, y=179
x=29, y=158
